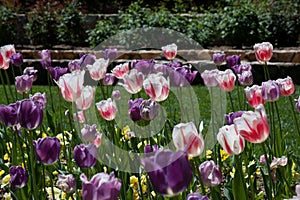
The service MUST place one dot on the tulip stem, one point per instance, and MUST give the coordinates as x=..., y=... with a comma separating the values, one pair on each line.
x=231, y=102
x=51, y=182
x=269, y=193
x=9, y=84
x=4, y=87
x=294, y=115
x=50, y=90
x=32, y=165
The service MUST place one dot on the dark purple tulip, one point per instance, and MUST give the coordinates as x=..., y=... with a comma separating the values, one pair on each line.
x=45, y=55
x=187, y=73
x=73, y=65
x=134, y=109
x=233, y=60
x=110, y=54
x=239, y=69
x=232, y=115
x=150, y=148
x=30, y=114
x=57, y=72
x=85, y=156
x=271, y=90
x=196, y=196
x=144, y=66
x=170, y=172
x=47, y=150
x=174, y=64
x=39, y=99
x=87, y=59
x=89, y=133
x=9, y=114
x=30, y=71
x=18, y=177
x=23, y=83
x=66, y=183
x=17, y=59
x=218, y=58
x=246, y=78
x=149, y=109
x=108, y=79
x=211, y=174
x=101, y=186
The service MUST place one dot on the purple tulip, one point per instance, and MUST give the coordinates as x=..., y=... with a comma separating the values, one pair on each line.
x=17, y=59
x=170, y=172
x=150, y=148
x=218, y=58
x=211, y=174
x=297, y=101
x=47, y=150
x=134, y=109
x=144, y=66
x=108, y=79
x=196, y=196
x=18, y=177
x=30, y=114
x=246, y=78
x=233, y=60
x=87, y=59
x=116, y=95
x=101, y=186
x=9, y=114
x=271, y=90
x=149, y=109
x=23, y=83
x=187, y=73
x=85, y=156
x=57, y=72
x=30, y=71
x=39, y=98
x=209, y=77
x=45, y=55
x=110, y=54
x=73, y=65
x=66, y=183
x=89, y=133
x=232, y=115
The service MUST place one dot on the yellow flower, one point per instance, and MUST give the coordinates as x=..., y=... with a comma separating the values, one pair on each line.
x=57, y=192
x=125, y=130
x=153, y=194
x=251, y=163
x=55, y=173
x=5, y=180
x=144, y=188
x=208, y=154
x=44, y=135
x=258, y=171
x=7, y=196
x=134, y=182
x=6, y=156
x=224, y=155
x=294, y=173
x=232, y=172
x=2, y=172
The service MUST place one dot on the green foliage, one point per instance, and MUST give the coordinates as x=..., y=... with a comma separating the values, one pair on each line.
x=7, y=25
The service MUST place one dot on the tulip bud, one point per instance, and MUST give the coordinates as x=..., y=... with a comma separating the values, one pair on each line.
x=66, y=183
x=17, y=59
x=47, y=149
x=218, y=58
x=211, y=174
x=149, y=109
x=85, y=156
x=18, y=177
x=23, y=83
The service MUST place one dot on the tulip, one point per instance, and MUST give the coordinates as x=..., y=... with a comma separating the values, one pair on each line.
x=73, y=65
x=254, y=95
x=270, y=90
x=85, y=156
x=107, y=109
x=150, y=148
x=6, y=53
x=230, y=140
x=23, y=83
x=66, y=183
x=170, y=51
x=133, y=82
x=196, y=196
x=98, y=69
x=86, y=98
x=47, y=150
x=287, y=86
x=226, y=80
x=101, y=186
x=297, y=190
x=108, y=79
x=144, y=66
x=17, y=59
x=182, y=76
x=186, y=138
x=253, y=126
x=57, y=72
x=110, y=54
x=134, y=109
x=218, y=58
x=18, y=177
x=71, y=85
x=239, y=69
x=209, y=77
x=298, y=104
x=45, y=55
x=246, y=78
x=39, y=98
x=89, y=133
x=79, y=116
x=170, y=172
x=87, y=59
x=149, y=109
x=30, y=71
x=232, y=115
x=233, y=60
x=211, y=174
x=30, y=114
x=120, y=70
x=8, y=114
x=263, y=51
x=116, y=95
x=277, y=162
x=187, y=73
x=157, y=87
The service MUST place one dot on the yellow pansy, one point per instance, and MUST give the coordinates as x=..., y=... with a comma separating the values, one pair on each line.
x=6, y=156
x=224, y=155
x=134, y=181
x=7, y=196
x=5, y=180
x=125, y=130
x=2, y=172
x=208, y=154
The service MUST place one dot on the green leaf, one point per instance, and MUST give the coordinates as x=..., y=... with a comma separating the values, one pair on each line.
x=50, y=121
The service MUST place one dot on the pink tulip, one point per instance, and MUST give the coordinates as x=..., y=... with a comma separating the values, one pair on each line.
x=287, y=86
x=277, y=162
x=230, y=140
x=157, y=87
x=254, y=95
x=71, y=84
x=107, y=109
x=98, y=69
x=253, y=126
x=186, y=137
x=86, y=98
x=133, y=82
x=226, y=80
x=170, y=51
x=209, y=77
x=5, y=54
x=79, y=116
x=120, y=70
x=263, y=51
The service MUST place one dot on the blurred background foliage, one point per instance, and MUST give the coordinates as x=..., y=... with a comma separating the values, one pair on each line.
x=211, y=23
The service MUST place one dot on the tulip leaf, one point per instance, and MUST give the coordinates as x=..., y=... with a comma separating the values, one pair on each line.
x=238, y=186
x=228, y=193
x=50, y=121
